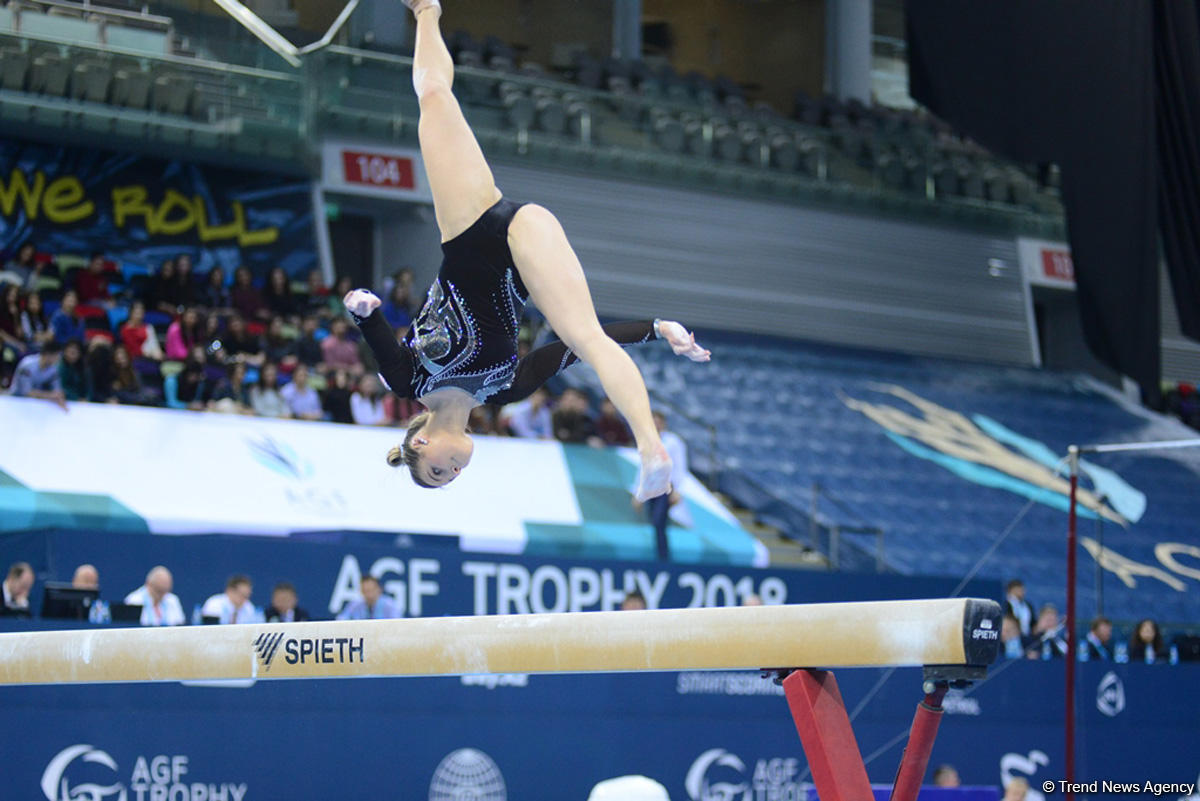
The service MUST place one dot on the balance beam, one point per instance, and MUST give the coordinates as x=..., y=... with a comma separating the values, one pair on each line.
x=867, y=634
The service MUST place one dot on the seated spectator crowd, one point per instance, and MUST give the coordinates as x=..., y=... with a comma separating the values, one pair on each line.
x=155, y=603
x=280, y=349
x=1026, y=635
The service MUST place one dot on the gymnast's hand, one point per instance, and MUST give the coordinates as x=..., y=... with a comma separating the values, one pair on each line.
x=682, y=341
x=361, y=302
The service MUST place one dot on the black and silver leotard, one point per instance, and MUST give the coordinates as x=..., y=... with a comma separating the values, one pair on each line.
x=466, y=333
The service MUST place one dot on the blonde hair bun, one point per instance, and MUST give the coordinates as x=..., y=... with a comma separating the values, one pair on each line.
x=395, y=456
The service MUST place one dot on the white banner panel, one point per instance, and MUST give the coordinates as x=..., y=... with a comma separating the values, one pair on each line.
x=1046, y=263
x=392, y=173
x=192, y=473
x=186, y=472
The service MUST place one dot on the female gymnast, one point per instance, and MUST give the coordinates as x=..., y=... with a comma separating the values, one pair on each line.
x=497, y=254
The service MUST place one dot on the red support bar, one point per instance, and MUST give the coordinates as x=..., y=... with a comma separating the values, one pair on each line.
x=920, y=745
x=825, y=732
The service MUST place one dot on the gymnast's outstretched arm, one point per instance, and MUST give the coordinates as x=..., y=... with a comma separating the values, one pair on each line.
x=395, y=361
x=538, y=366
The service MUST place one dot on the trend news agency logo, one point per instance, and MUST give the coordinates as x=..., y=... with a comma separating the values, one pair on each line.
x=55, y=785
x=467, y=773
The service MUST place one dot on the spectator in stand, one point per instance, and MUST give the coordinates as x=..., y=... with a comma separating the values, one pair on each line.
x=1017, y=789
x=334, y=308
x=72, y=373
x=244, y=298
x=86, y=577
x=163, y=293
x=193, y=386
x=279, y=347
x=184, y=334
x=283, y=608
x=397, y=309
x=98, y=368
x=17, y=586
x=308, y=347
x=338, y=350
x=91, y=283
x=400, y=410
x=1146, y=643
x=633, y=601
x=1016, y=605
x=231, y=394
x=302, y=400
x=12, y=344
x=65, y=323
x=264, y=397
x=373, y=605
x=277, y=294
x=366, y=404
x=214, y=296
x=1047, y=639
x=233, y=605
x=238, y=344
x=316, y=301
x=611, y=428
x=1098, y=645
x=35, y=327
x=37, y=376
x=337, y=397
x=530, y=418
x=139, y=338
x=160, y=606
x=127, y=383
x=659, y=508
x=572, y=417
x=24, y=270
x=185, y=280
x=1012, y=644
x=946, y=776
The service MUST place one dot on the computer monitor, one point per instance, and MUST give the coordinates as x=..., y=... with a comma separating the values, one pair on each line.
x=125, y=613
x=61, y=600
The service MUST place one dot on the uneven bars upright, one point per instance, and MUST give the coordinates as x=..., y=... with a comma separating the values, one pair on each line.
x=1073, y=453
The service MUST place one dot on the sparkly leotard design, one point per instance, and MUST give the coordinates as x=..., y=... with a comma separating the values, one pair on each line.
x=467, y=338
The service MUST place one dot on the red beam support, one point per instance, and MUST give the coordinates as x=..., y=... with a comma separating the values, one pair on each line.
x=825, y=732
x=920, y=745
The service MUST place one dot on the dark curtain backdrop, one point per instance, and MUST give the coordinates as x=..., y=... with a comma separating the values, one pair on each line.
x=1177, y=78
x=1075, y=82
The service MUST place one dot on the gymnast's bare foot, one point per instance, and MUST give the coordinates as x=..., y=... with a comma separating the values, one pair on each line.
x=682, y=341
x=418, y=6
x=655, y=476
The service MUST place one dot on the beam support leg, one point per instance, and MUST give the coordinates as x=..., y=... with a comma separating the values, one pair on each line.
x=920, y=744
x=825, y=732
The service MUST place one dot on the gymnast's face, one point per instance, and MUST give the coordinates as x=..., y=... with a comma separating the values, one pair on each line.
x=443, y=455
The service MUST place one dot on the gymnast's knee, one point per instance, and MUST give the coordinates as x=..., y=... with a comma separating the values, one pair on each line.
x=432, y=89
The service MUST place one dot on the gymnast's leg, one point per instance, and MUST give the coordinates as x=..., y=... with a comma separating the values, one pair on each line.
x=552, y=274
x=459, y=177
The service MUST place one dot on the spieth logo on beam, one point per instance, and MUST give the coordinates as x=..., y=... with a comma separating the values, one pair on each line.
x=305, y=650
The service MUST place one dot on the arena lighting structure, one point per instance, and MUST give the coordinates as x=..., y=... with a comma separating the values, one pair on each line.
x=952, y=639
x=1073, y=454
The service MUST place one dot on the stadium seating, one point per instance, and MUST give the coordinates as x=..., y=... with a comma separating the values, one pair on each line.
x=783, y=425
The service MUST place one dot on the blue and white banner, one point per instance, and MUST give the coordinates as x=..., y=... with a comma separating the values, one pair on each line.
x=173, y=472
